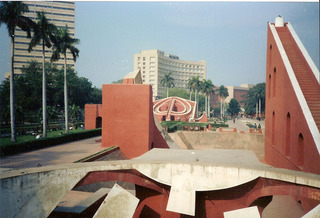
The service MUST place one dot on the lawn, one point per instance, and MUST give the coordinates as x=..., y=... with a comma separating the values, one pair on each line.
x=24, y=138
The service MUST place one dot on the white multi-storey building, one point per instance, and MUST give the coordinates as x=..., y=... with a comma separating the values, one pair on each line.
x=154, y=64
x=60, y=13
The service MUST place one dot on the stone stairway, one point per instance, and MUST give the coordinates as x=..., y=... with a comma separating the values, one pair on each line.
x=308, y=83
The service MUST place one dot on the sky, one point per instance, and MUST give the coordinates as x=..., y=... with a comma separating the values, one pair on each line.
x=230, y=36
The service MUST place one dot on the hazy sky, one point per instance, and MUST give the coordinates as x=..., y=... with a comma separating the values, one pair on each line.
x=231, y=37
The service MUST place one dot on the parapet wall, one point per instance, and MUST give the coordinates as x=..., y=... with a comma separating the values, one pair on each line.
x=220, y=140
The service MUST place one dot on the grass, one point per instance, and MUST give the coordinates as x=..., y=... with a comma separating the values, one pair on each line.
x=24, y=138
x=28, y=142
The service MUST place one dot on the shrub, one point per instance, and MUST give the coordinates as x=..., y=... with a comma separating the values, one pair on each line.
x=10, y=149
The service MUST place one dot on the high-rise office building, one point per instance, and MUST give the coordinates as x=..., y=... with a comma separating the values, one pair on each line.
x=60, y=13
x=154, y=64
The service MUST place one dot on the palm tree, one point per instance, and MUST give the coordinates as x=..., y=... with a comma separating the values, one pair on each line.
x=259, y=95
x=167, y=81
x=189, y=86
x=207, y=89
x=43, y=32
x=223, y=93
x=195, y=84
x=11, y=15
x=62, y=43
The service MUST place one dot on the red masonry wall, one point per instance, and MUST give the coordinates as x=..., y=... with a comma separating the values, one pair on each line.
x=128, y=119
x=92, y=111
x=285, y=124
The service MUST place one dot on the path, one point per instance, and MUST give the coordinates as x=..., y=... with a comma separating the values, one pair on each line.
x=240, y=124
x=59, y=154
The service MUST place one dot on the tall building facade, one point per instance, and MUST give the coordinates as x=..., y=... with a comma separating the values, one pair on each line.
x=154, y=64
x=60, y=13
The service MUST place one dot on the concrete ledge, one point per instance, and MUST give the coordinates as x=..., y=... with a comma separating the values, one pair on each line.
x=35, y=192
x=83, y=205
x=98, y=155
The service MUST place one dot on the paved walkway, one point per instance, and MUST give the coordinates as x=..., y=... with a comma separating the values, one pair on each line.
x=59, y=154
x=240, y=124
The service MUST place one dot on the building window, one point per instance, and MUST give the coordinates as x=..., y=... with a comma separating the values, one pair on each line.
x=274, y=81
x=270, y=52
x=287, y=149
x=269, y=86
x=144, y=58
x=138, y=58
x=273, y=127
x=152, y=58
x=300, y=150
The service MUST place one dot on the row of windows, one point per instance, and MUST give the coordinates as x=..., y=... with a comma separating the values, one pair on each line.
x=165, y=62
x=144, y=58
x=181, y=74
x=46, y=6
x=32, y=56
x=181, y=69
x=57, y=20
x=20, y=30
x=37, y=50
x=19, y=68
x=171, y=64
x=52, y=13
x=26, y=62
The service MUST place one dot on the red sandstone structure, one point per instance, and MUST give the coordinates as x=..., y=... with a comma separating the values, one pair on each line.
x=126, y=117
x=292, y=138
x=174, y=108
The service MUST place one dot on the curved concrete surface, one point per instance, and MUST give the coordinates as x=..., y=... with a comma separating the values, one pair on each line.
x=35, y=192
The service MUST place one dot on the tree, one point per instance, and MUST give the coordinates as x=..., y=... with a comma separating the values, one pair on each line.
x=223, y=93
x=189, y=86
x=62, y=43
x=182, y=93
x=207, y=89
x=258, y=96
x=11, y=13
x=75, y=112
x=119, y=81
x=28, y=92
x=255, y=99
x=43, y=32
x=167, y=81
x=234, y=107
x=195, y=84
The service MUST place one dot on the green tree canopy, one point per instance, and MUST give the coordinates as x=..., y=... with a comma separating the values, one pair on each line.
x=252, y=97
x=182, y=93
x=28, y=89
x=234, y=107
x=167, y=81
